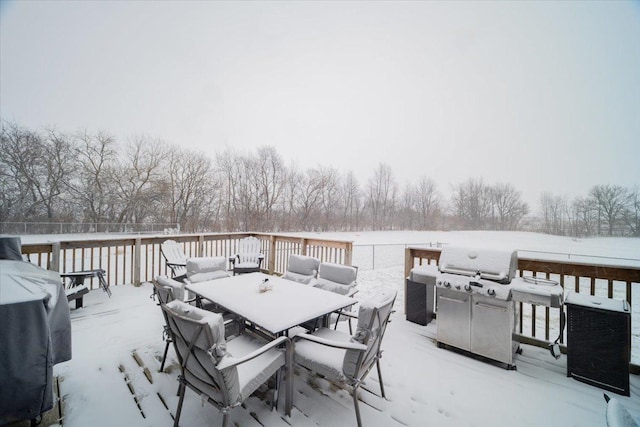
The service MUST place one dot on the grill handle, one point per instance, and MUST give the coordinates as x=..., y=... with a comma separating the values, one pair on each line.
x=460, y=301
x=491, y=307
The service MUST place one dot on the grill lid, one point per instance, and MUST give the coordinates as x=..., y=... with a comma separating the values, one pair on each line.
x=497, y=265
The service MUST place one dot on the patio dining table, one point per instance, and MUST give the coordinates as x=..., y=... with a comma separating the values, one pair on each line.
x=286, y=305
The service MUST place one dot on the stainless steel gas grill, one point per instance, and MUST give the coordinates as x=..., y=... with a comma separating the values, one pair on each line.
x=474, y=306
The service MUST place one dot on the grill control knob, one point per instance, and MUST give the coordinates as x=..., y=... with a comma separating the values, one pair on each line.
x=467, y=287
x=491, y=292
x=447, y=284
x=439, y=283
x=458, y=287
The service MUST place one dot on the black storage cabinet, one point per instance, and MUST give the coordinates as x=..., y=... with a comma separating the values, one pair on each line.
x=419, y=299
x=599, y=341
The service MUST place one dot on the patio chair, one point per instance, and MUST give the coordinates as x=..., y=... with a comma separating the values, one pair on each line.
x=168, y=290
x=164, y=291
x=175, y=258
x=301, y=268
x=344, y=359
x=202, y=269
x=337, y=278
x=223, y=373
x=248, y=259
x=205, y=269
x=340, y=279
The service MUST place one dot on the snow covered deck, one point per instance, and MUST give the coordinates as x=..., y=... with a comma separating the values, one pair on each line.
x=117, y=346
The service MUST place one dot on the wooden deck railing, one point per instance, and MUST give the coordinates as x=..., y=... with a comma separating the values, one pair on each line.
x=138, y=259
x=537, y=323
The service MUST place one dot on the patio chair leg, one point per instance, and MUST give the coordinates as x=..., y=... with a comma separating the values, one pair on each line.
x=276, y=392
x=181, y=392
x=355, y=404
x=380, y=379
x=225, y=419
x=288, y=403
x=164, y=357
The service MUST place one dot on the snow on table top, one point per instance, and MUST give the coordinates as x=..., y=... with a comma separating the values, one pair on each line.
x=286, y=305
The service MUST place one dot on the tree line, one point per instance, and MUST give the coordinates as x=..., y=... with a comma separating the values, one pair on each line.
x=51, y=176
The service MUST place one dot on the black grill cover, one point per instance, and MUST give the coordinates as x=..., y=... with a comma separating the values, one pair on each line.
x=10, y=248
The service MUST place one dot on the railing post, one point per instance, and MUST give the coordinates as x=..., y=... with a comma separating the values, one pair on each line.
x=408, y=265
x=54, y=263
x=348, y=254
x=136, y=273
x=373, y=257
x=272, y=254
x=408, y=261
x=303, y=246
x=201, y=245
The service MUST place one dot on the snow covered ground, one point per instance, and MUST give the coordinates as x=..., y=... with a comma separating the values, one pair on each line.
x=425, y=385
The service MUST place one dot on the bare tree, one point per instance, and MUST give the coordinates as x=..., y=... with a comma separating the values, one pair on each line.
x=136, y=180
x=329, y=197
x=583, y=216
x=309, y=193
x=611, y=201
x=381, y=197
x=508, y=209
x=407, y=212
x=427, y=203
x=93, y=186
x=34, y=166
x=351, y=202
x=270, y=177
x=553, y=209
x=188, y=187
x=632, y=215
x=472, y=204
x=228, y=168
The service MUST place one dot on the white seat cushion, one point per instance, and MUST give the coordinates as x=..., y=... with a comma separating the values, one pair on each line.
x=257, y=371
x=210, y=275
x=302, y=264
x=206, y=268
x=335, y=287
x=301, y=268
x=297, y=277
x=322, y=359
x=337, y=278
x=176, y=287
x=344, y=274
x=246, y=265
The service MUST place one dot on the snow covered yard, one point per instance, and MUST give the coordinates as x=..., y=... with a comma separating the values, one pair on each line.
x=117, y=339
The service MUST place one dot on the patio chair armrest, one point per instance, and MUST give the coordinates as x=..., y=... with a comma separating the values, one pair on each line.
x=176, y=264
x=347, y=314
x=232, y=259
x=229, y=362
x=352, y=292
x=331, y=343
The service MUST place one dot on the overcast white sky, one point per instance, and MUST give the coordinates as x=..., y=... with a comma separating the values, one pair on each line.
x=544, y=95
